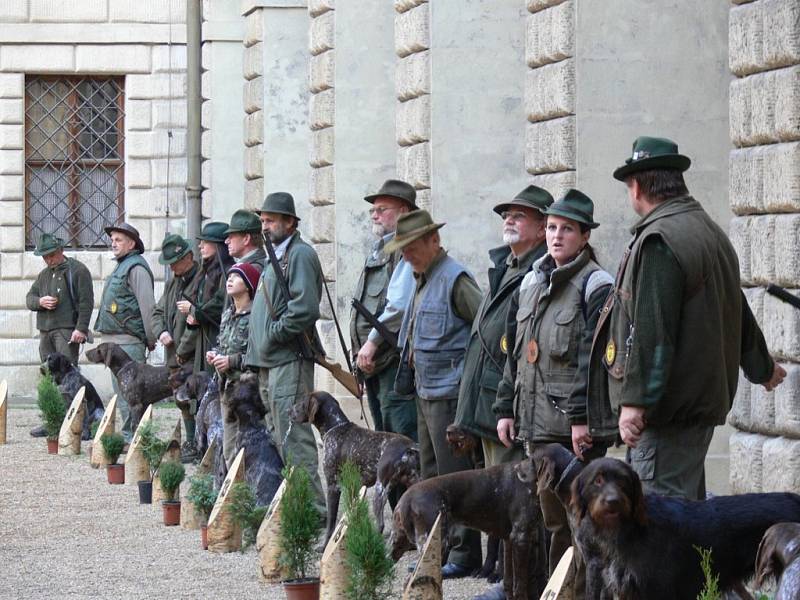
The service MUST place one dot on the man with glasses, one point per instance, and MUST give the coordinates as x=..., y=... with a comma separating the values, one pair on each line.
x=523, y=243
x=385, y=285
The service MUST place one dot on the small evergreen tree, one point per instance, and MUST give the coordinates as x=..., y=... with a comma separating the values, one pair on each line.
x=710, y=590
x=171, y=474
x=371, y=569
x=349, y=483
x=245, y=512
x=113, y=444
x=202, y=494
x=300, y=524
x=153, y=447
x=51, y=405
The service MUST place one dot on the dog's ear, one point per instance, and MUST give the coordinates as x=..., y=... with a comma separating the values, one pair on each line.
x=765, y=563
x=545, y=473
x=105, y=351
x=312, y=407
x=577, y=503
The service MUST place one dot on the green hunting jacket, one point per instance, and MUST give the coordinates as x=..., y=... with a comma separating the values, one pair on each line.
x=167, y=317
x=57, y=281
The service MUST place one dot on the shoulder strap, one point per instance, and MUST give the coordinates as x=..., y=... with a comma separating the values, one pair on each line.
x=71, y=289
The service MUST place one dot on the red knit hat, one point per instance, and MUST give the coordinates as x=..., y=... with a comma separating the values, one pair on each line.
x=249, y=274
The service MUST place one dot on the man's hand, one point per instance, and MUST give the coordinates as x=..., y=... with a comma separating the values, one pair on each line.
x=778, y=373
x=166, y=339
x=221, y=363
x=77, y=337
x=184, y=306
x=48, y=302
x=210, y=357
x=631, y=424
x=190, y=320
x=581, y=440
x=505, y=431
x=366, y=357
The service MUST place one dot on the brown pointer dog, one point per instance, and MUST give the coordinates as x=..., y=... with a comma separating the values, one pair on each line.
x=500, y=501
x=777, y=557
x=140, y=384
x=390, y=459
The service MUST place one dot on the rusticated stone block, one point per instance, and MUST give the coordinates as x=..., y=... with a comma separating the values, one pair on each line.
x=787, y=249
x=253, y=61
x=253, y=162
x=12, y=212
x=781, y=326
x=327, y=257
x=12, y=293
x=550, y=35
x=172, y=59
x=322, y=109
x=414, y=164
x=747, y=467
x=764, y=35
x=745, y=40
x=412, y=31
x=123, y=58
x=765, y=108
x=762, y=410
x=762, y=255
x=69, y=11
x=254, y=128
x=318, y=7
x=739, y=234
x=781, y=464
x=782, y=25
x=322, y=72
x=12, y=111
x=12, y=162
x=413, y=76
x=550, y=146
x=787, y=403
x=323, y=224
x=322, y=147
x=740, y=415
x=11, y=137
x=321, y=33
x=15, y=323
x=12, y=85
x=253, y=95
x=755, y=298
x=253, y=28
x=537, y=5
x=322, y=188
x=413, y=121
x=12, y=187
x=11, y=266
x=137, y=115
x=159, y=85
x=556, y=183
x=168, y=114
x=404, y=5
x=424, y=199
x=765, y=178
x=550, y=91
x=253, y=193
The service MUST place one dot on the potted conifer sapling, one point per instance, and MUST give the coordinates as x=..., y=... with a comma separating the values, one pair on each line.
x=153, y=449
x=52, y=409
x=203, y=495
x=113, y=445
x=171, y=474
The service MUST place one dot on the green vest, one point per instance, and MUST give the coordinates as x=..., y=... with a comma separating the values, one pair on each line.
x=371, y=291
x=119, y=310
x=550, y=324
x=704, y=376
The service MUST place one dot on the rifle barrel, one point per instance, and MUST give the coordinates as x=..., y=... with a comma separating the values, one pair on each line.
x=784, y=295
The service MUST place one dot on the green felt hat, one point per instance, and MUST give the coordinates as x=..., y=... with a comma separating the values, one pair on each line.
x=574, y=205
x=281, y=203
x=173, y=248
x=395, y=188
x=213, y=232
x=244, y=221
x=48, y=243
x=410, y=227
x=531, y=197
x=652, y=153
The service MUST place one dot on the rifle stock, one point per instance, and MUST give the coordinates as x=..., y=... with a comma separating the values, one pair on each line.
x=341, y=375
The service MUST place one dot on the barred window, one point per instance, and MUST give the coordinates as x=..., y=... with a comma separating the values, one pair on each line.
x=74, y=158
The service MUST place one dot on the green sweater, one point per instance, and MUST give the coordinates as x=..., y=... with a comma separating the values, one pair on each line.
x=55, y=281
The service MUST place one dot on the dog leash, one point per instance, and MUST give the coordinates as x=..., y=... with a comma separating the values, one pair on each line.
x=334, y=427
x=567, y=471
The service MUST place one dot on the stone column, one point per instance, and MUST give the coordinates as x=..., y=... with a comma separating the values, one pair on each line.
x=764, y=42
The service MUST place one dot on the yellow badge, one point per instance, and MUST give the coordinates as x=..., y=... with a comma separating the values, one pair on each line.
x=533, y=351
x=113, y=308
x=504, y=345
x=611, y=353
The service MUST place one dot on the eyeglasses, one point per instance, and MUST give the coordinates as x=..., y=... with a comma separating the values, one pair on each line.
x=514, y=216
x=379, y=210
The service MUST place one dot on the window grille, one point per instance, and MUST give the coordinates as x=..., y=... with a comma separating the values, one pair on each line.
x=74, y=158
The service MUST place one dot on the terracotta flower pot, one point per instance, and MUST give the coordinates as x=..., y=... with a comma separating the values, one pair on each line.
x=172, y=512
x=204, y=537
x=145, y=491
x=52, y=446
x=302, y=589
x=115, y=473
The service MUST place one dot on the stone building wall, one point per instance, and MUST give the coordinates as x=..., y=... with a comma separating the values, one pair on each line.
x=765, y=196
x=142, y=41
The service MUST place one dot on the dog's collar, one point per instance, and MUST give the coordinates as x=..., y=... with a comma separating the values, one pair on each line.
x=336, y=427
x=575, y=460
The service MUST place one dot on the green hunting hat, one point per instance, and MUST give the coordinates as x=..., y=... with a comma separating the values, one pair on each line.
x=574, y=205
x=652, y=153
x=532, y=196
x=130, y=231
x=394, y=188
x=48, y=243
x=173, y=248
x=410, y=227
x=214, y=232
x=244, y=221
x=281, y=203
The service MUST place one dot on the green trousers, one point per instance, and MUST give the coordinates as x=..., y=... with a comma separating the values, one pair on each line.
x=433, y=417
x=57, y=340
x=496, y=454
x=391, y=411
x=136, y=352
x=280, y=388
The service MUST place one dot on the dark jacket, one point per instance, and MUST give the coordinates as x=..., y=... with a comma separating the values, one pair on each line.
x=71, y=279
x=207, y=295
x=167, y=317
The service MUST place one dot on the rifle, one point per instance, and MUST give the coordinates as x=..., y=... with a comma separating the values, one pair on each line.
x=784, y=295
x=391, y=338
x=305, y=348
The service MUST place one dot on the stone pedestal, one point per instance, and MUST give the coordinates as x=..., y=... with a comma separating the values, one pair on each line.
x=107, y=427
x=426, y=581
x=223, y=534
x=190, y=517
x=267, y=540
x=136, y=467
x=69, y=438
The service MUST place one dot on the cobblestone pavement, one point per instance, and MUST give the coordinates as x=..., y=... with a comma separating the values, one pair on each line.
x=66, y=533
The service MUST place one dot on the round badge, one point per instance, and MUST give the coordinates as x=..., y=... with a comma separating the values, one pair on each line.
x=533, y=351
x=611, y=352
x=504, y=345
x=113, y=308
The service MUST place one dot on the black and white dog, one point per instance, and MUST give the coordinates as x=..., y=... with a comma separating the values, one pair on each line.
x=69, y=380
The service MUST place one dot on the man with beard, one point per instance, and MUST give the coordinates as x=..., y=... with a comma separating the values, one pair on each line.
x=385, y=296
x=277, y=324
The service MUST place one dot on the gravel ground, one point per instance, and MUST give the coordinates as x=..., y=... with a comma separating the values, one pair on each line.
x=66, y=533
